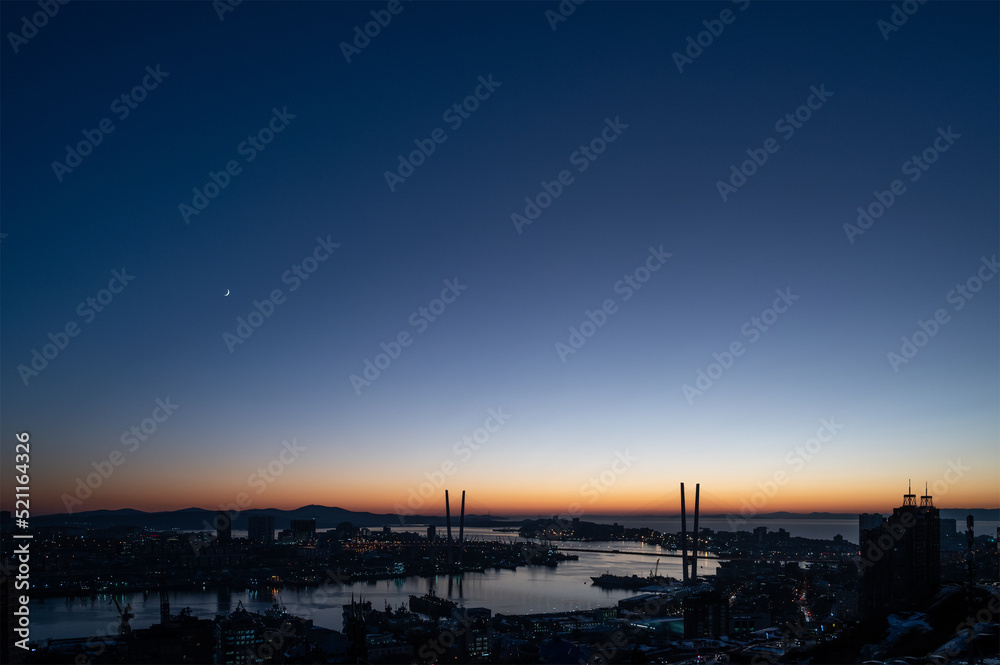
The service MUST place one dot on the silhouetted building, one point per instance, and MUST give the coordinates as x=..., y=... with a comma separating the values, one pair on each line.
x=239, y=638
x=951, y=539
x=900, y=557
x=868, y=522
x=477, y=631
x=916, y=558
x=875, y=585
x=180, y=639
x=356, y=629
x=224, y=526
x=261, y=529
x=706, y=614
x=304, y=528
x=748, y=614
x=431, y=533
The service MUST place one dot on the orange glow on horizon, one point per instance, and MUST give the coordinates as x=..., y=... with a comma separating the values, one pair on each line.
x=502, y=503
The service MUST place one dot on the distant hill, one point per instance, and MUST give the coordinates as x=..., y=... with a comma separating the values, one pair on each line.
x=328, y=517
x=980, y=514
x=201, y=518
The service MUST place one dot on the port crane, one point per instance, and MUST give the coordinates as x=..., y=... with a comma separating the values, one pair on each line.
x=124, y=629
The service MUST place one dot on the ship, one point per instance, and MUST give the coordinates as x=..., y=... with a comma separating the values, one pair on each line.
x=634, y=582
x=356, y=608
x=431, y=605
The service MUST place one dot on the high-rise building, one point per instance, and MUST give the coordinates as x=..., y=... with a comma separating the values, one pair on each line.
x=261, y=529
x=304, y=528
x=951, y=539
x=900, y=556
x=868, y=522
x=238, y=638
x=916, y=557
x=477, y=635
x=875, y=546
x=224, y=526
x=179, y=639
x=706, y=614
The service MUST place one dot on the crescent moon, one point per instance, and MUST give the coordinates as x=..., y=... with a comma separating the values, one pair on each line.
x=227, y=292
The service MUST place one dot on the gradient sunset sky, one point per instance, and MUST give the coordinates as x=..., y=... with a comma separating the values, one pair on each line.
x=879, y=97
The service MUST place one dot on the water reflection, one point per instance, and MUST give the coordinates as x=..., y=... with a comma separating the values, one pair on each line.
x=527, y=589
x=224, y=600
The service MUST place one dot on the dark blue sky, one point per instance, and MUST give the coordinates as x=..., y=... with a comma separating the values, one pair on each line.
x=496, y=345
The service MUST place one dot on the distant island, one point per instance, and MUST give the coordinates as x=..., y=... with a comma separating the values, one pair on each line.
x=329, y=517
x=204, y=519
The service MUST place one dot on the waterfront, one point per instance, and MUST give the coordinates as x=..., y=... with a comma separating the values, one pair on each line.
x=820, y=528
x=800, y=526
x=528, y=589
x=525, y=590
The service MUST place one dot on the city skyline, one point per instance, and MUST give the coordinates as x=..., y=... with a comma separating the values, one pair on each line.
x=555, y=262
x=757, y=504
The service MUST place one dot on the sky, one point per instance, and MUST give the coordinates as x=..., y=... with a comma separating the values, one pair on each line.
x=563, y=257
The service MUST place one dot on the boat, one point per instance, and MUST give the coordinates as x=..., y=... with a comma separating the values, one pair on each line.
x=431, y=605
x=609, y=581
x=356, y=608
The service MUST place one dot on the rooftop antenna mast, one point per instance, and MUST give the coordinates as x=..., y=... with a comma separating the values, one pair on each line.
x=926, y=501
